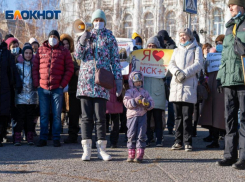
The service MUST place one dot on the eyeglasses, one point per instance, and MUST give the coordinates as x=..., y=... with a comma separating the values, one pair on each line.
x=151, y=46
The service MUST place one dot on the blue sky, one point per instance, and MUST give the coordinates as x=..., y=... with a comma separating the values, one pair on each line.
x=11, y=4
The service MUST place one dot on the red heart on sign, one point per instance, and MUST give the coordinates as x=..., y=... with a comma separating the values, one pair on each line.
x=158, y=55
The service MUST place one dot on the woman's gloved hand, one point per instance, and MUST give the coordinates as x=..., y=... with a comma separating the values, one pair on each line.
x=180, y=76
x=83, y=38
x=119, y=85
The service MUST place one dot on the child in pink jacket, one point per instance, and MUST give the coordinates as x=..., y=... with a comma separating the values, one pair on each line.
x=138, y=102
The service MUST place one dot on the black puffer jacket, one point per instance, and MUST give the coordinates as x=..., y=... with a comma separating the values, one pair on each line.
x=8, y=77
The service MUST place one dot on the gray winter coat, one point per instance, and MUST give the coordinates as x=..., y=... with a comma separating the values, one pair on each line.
x=28, y=94
x=190, y=60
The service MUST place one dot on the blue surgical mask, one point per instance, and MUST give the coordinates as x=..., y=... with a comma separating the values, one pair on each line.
x=219, y=48
x=186, y=43
x=139, y=46
x=239, y=14
x=15, y=50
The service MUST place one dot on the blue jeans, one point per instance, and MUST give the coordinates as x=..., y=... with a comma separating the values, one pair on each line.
x=54, y=99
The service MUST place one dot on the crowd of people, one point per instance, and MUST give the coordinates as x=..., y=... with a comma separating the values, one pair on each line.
x=33, y=80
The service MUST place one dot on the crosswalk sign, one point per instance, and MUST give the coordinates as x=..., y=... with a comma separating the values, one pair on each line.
x=190, y=6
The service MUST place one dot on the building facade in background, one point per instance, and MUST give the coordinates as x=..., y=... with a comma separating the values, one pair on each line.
x=147, y=17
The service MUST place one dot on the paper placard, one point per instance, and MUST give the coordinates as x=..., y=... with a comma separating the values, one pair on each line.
x=125, y=43
x=151, y=62
x=125, y=67
x=214, y=61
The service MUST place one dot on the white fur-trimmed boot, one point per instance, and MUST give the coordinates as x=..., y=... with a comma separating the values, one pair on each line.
x=87, y=147
x=101, y=147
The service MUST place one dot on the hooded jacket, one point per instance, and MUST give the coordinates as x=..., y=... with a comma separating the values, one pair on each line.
x=189, y=59
x=52, y=67
x=72, y=89
x=134, y=110
x=101, y=50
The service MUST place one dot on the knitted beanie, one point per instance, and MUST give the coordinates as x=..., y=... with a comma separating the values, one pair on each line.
x=26, y=46
x=33, y=40
x=10, y=40
x=98, y=14
x=138, y=40
x=54, y=32
x=153, y=40
x=188, y=32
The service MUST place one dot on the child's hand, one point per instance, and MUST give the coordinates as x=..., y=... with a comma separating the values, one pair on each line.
x=145, y=102
x=138, y=100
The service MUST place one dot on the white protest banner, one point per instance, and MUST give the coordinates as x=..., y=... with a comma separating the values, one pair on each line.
x=214, y=61
x=151, y=62
x=125, y=67
x=125, y=43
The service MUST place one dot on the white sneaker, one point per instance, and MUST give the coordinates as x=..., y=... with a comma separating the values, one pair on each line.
x=87, y=147
x=101, y=147
x=188, y=148
x=176, y=146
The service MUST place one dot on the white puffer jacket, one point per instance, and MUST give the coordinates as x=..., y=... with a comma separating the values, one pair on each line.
x=190, y=60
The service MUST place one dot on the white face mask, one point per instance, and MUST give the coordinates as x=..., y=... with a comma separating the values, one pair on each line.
x=52, y=41
x=99, y=25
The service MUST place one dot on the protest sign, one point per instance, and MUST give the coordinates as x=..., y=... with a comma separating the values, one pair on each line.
x=214, y=61
x=151, y=62
x=125, y=67
x=124, y=43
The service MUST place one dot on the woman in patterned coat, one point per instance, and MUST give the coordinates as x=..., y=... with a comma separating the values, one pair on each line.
x=96, y=47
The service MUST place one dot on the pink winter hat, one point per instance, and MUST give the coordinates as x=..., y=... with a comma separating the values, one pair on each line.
x=10, y=40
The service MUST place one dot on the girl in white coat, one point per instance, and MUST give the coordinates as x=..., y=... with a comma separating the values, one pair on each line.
x=186, y=62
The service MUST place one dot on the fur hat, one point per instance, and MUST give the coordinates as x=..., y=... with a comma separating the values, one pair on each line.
x=70, y=40
x=237, y=2
x=220, y=38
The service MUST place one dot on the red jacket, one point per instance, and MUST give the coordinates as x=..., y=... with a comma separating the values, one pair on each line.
x=113, y=106
x=52, y=67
